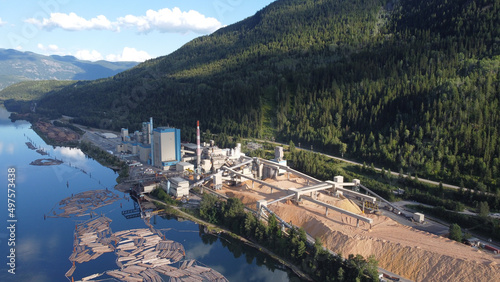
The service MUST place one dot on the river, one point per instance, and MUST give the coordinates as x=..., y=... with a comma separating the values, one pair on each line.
x=43, y=244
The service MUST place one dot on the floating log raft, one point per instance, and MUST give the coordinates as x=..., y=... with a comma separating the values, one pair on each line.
x=141, y=246
x=82, y=203
x=89, y=237
x=190, y=271
x=141, y=254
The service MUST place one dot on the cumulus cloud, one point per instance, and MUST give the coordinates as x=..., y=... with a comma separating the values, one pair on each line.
x=163, y=20
x=72, y=153
x=10, y=149
x=2, y=22
x=73, y=22
x=88, y=55
x=129, y=55
x=199, y=251
x=175, y=20
x=50, y=47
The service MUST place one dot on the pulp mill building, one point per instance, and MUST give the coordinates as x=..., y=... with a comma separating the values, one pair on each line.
x=159, y=147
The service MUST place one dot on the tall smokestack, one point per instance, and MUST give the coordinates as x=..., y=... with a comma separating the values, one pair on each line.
x=198, y=148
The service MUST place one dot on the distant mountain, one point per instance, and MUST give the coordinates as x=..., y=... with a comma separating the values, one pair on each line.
x=16, y=66
x=409, y=85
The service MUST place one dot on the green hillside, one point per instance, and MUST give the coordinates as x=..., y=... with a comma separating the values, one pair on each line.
x=408, y=85
x=31, y=90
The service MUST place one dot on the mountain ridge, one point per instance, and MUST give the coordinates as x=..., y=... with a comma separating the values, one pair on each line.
x=17, y=66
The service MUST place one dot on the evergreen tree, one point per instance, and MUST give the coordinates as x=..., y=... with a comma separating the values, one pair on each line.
x=455, y=232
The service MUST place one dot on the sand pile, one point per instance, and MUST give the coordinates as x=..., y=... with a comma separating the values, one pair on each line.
x=413, y=254
x=349, y=205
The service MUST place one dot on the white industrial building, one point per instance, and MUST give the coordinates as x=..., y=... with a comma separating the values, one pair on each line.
x=179, y=187
x=108, y=135
x=148, y=187
x=184, y=166
x=124, y=134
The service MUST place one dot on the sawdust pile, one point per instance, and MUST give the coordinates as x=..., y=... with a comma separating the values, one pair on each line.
x=410, y=253
x=413, y=254
x=349, y=205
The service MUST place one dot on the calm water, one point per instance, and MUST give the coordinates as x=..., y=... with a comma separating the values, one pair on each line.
x=43, y=246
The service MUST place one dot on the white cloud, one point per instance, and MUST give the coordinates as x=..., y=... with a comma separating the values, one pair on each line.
x=129, y=55
x=72, y=153
x=50, y=47
x=73, y=22
x=88, y=55
x=163, y=20
x=175, y=20
x=10, y=149
x=199, y=251
x=2, y=23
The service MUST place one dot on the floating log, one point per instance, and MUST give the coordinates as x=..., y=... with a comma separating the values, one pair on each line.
x=70, y=271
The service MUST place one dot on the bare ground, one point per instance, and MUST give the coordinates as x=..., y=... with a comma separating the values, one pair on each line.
x=59, y=134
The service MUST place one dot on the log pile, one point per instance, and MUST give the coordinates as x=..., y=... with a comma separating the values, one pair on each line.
x=89, y=242
x=80, y=204
x=142, y=254
x=190, y=271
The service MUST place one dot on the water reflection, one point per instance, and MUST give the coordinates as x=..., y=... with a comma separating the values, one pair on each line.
x=245, y=256
x=199, y=251
x=9, y=148
x=74, y=154
x=44, y=246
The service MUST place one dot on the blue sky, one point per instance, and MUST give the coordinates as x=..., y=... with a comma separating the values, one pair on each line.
x=126, y=30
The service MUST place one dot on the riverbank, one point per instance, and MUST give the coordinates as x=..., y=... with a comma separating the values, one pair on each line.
x=64, y=136
x=177, y=211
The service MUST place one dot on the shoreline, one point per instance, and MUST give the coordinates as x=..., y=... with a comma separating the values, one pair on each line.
x=180, y=213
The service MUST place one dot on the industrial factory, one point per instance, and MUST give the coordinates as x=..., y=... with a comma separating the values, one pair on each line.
x=333, y=210
x=159, y=147
x=187, y=165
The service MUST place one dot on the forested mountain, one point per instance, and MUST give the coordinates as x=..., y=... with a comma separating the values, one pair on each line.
x=32, y=90
x=16, y=66
x=413, y=86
